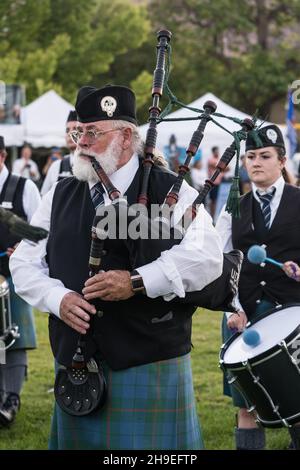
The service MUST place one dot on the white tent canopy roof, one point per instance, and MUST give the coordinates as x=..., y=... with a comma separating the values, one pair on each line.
x=44, y=120
x=213, y=135
x=13, y=134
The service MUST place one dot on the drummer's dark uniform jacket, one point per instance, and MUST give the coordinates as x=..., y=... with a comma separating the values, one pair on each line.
x=282, y=242
x=126, y=333
x=11, y=198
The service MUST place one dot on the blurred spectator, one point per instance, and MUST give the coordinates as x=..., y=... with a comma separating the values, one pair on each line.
x=62, y=168
x=176, y=155
x=198, y=174
x=25, y=166
x=56, y=154
x=2, y=113
x=296, y=165
x=245, y=184
x=172, y=153
x=211, y=166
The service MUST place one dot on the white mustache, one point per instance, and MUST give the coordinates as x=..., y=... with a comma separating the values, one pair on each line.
x=86, y=153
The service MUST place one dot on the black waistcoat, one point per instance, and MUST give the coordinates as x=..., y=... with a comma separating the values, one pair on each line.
x=7, y=240
x=65, y=168
x=137, y=331
x=282, y=244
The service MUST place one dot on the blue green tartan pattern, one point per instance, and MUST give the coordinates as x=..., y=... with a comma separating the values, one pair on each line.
x=22, y=315
x=148, y=407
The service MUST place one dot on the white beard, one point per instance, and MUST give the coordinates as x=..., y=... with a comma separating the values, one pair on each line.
x=83, y=170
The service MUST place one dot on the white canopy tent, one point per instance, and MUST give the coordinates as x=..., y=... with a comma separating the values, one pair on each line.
x=213, y=136
x=13, y=134
x=44, y=120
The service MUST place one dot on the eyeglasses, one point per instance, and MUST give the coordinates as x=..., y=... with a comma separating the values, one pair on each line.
x=91, y=135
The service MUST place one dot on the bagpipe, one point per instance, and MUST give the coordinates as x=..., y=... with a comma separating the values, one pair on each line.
x=81, y=388
x=20, y=228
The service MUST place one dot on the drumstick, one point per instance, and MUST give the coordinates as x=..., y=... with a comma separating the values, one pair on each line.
x=257, y=255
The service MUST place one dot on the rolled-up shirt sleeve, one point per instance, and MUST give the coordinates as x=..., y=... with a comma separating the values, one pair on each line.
x=29, y=268
x=224, y=228
x=192, y=264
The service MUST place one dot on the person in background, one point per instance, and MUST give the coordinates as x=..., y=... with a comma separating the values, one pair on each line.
x=172, y=153
x=21, y=196
x=25, y=166
x=211, y=166
x=245, y=183
x=198, y=174
x=56, y=154
x=63, y=168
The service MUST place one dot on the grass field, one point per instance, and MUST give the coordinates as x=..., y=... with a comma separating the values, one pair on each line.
x=215, y=411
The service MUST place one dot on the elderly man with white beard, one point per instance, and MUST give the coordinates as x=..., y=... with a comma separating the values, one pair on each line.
x=141, y=338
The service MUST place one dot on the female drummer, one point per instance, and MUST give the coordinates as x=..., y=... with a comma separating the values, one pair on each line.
x=270, y=216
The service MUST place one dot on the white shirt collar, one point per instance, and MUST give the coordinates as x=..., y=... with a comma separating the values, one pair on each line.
x=123, y=177
x=279, y=185
x=3, y=176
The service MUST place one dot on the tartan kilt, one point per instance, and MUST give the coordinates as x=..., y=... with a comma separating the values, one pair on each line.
x=148, y=407
x=22, y=315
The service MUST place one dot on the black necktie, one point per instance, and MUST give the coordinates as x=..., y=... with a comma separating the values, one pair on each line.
x=97, y=195
x=266, y=209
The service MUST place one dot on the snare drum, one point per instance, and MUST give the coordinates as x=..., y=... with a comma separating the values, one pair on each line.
x=268, y=374
x=8, y=331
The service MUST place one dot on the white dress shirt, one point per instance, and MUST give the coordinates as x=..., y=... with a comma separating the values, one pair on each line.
x=31, y=195
x=20, y=168
x=224, y=222
x=53, y=173
x=189, y=266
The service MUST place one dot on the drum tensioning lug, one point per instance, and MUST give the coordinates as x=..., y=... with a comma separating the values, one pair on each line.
x=284, y=348
x=221, y=365
x=251, y=410
x=231, y=379
x=256, y=380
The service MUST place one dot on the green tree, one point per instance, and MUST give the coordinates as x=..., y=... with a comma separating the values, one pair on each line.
x=246, y=52
x=64, y=44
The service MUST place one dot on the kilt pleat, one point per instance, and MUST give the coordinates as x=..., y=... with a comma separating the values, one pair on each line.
x=148, y=407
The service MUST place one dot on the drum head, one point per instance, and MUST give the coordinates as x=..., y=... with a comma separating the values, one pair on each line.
x=273, y=327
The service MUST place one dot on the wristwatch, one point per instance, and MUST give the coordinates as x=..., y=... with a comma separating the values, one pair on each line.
x=137, y=283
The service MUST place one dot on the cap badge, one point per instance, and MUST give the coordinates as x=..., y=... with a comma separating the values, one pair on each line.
x=272, y=135
x=108, y=105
